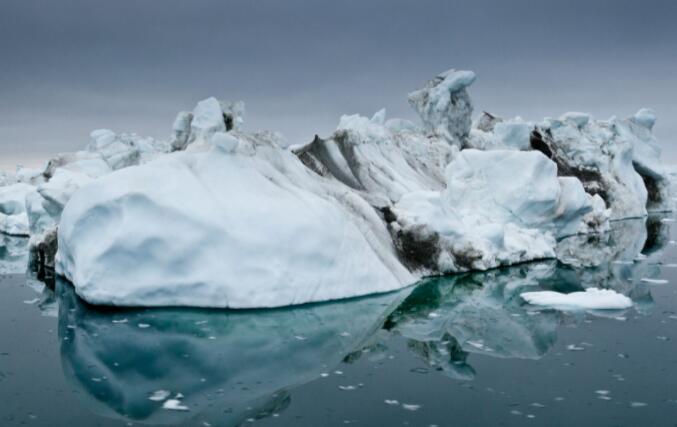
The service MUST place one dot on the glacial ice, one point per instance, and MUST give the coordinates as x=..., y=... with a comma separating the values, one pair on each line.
x=222, y=218
x=268, y=232
x=590, y=299
x=13, y=217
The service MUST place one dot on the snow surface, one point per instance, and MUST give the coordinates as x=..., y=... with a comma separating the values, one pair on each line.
x=590, y=299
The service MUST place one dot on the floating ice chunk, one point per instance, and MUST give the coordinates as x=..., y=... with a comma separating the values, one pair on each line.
x=159, y=395
x=411, y=407
x=13, y=217
x=591, y=299
x=654, y=281
x=174, y=405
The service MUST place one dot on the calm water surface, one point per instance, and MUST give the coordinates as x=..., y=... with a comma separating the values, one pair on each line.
x=460, y=351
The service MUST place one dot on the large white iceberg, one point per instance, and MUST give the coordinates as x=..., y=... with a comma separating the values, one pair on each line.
x=221, y=218
x=246, y=226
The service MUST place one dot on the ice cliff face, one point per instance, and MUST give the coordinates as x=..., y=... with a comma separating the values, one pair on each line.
x=222, y=218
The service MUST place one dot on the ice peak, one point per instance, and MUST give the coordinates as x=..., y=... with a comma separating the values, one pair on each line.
x=445, y=106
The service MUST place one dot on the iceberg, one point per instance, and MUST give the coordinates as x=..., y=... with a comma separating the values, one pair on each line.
x=590, y=299
x=13, y=216
x=219, y=217
x=251, y=227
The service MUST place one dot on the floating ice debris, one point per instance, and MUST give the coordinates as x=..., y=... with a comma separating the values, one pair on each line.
x=174, y=405
x=637, y=404
x=411, y=407
x=201, y=322
x=324, y=374
x=300, y=338
x=345, y=334
x=662, y=338
x=392, y=402
x=621, y=262
x=32, y=301
x=120, y=321
x=667, y=220
x=159, y=395
x=143, y=325
x=669, y=265
x=538, y=405
x=433, y=315
x=574, y=347
x=347, y=387
x=515, y=412
x=654, y=281
x=338, y=372
x=591, y=299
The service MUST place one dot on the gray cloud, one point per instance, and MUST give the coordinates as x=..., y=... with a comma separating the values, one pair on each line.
x=71, y=66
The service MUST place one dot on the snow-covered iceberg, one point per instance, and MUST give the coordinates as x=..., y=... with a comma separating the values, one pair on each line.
x=237, y=222
x=223, y=218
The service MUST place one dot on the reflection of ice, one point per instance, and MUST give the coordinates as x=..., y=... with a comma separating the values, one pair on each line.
x=617, y=260
x=13, y=254
x=447, y=318
x=482, y=312
x=240, y=362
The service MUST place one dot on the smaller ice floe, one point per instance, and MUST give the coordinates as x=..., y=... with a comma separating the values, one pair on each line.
x=175, y=404
x=159, y=395
x=654, y=281
x=591, y=299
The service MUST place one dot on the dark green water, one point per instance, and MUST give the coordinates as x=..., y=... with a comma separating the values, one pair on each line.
x=461, y=351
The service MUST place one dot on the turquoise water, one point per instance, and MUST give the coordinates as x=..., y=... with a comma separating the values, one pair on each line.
x=462, y=350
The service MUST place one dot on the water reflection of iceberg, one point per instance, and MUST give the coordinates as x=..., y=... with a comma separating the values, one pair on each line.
x=232, y=365
x=447, y=318
x=13, y=254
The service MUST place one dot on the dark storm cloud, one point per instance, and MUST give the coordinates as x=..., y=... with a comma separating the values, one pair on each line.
x=70, y=66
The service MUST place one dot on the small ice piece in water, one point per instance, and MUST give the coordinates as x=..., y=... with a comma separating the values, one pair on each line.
x=120, y=321
x=143, y=325
x=300, y=338
x=637, y=404
x=391, y=402
x=159, y=395
x=654, y=281
x=324, y=374
x=574, y=347
x=411, y=407
x=32, y=301
x=347, y=387
x=591, y=299
x=174, y=405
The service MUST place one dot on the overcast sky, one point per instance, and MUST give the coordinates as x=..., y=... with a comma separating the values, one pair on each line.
x=70, y=66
